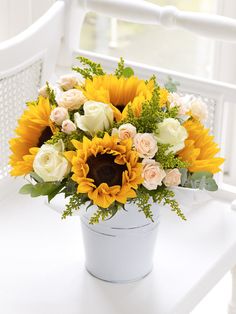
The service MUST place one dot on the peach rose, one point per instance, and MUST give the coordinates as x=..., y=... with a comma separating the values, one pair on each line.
x=43, y=91
x=172, y=178
x=68, y=126
x=152, y=174
x=68, y=81
x=145, y=144
x=72, y=99
x=126, y=131
x=58, y=115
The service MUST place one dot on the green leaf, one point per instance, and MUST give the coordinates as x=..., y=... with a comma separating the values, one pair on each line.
x=36, y=177
x=26, y=189
x=55, y=192
x=128, y=72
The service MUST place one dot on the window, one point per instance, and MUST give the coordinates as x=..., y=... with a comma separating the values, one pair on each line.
x=172, y=49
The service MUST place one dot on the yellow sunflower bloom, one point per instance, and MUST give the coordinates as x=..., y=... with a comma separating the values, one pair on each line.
x=200, y=149
x=119, y=92
x=106, y=169
x=34, y=128
x=163, y=97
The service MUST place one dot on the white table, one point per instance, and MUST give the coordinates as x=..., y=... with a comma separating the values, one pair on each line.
x=42, y=262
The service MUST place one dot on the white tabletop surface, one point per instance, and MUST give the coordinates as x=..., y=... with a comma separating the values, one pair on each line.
x=42, y=262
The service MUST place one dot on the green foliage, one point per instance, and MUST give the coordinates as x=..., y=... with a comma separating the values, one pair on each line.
x=152, y=78
x=75, y=202
x=121, y=70
x=142, y=201
x=164, y=196
x=198, y=180
x=171, y=85
x=168, y=160
x=161, y=196
x=151, y=115
x=49, y=189
x=70, y=188
x=89, y=69
x=32, y=103
x=66, y=138
x=51, y=95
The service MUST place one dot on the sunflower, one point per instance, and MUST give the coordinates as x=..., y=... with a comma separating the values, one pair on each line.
x=163, y=97
x=119, y=93
x=34, y=128
x=200, y=149
x=106, y=169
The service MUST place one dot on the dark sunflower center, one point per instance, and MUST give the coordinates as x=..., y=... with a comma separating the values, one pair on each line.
x=120, y=107
x=45, y=136
x=103, y=169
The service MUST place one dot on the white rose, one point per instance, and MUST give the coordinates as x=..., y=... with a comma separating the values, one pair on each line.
x=176, y=100
x=58, y=115
x=68, y=126
x=126, y=131
x=145, y=144
x=172, y=178
x=50, y=164
x=97, y=117
x=198, y=110
x=68, y=81
x=72, y=99
x=152, y=174
x=173, y=133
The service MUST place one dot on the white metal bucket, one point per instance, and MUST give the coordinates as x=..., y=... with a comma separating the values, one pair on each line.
x=120, y=249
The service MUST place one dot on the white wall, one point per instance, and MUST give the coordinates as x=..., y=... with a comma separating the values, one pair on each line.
x=16, y=15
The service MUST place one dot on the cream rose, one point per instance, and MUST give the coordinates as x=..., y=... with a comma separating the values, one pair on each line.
x=198, y=110
x=50, y=164
x=58, y=115
x=72, y=99
x=176, y=100
x=97, y=117
x=152, y=174
x=68, y=126
x=145, y=144
x=173, y=133
x=68, y=81
x=172, y=178
x=126, y=131
x=43, y=91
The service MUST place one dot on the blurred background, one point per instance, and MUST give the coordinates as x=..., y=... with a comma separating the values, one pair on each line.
x=172, y=49
x=177, y=50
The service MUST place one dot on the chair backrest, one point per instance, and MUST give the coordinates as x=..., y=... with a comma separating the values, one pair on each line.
x=31, y=56
x=25, y=61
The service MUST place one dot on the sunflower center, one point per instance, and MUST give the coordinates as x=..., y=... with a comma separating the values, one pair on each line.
x=45, y=136
x=120, y=107
x=103, y=169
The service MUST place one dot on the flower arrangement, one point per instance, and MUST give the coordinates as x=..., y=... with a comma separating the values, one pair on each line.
x=112, y=139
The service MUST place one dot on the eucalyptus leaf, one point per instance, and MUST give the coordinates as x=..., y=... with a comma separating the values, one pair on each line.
x=200, y=174
x=211, y=185
x=184, y=176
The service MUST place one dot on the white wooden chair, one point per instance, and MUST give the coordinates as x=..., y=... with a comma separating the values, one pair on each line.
x=41, y=257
